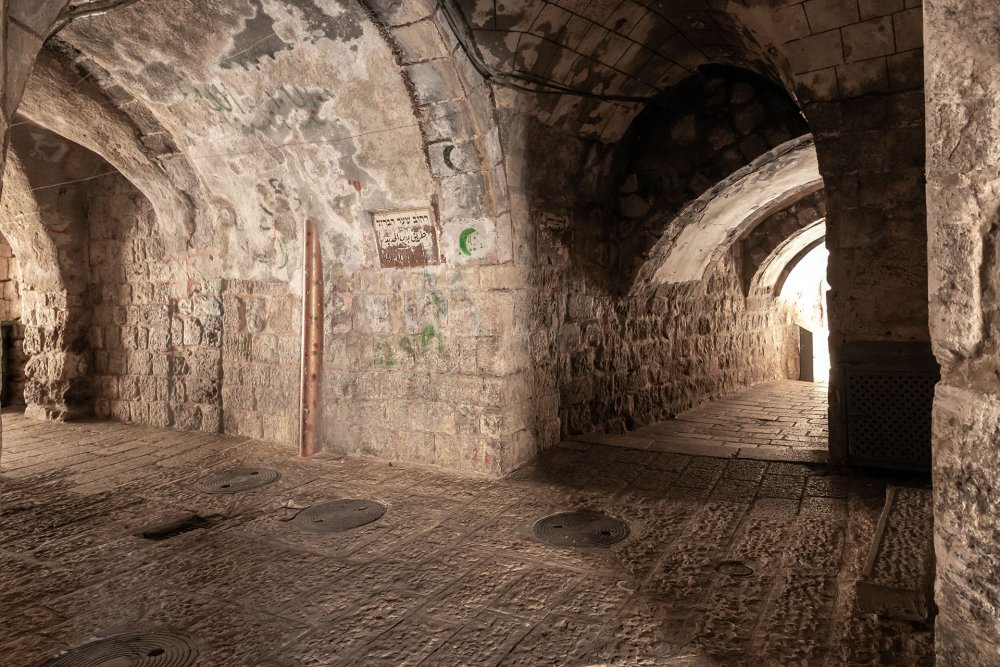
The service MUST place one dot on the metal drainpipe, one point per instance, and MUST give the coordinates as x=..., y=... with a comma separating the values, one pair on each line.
x=312, y=340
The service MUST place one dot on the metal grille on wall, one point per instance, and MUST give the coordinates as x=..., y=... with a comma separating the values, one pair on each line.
x=889, y=417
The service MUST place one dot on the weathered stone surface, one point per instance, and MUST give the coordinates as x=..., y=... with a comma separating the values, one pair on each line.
x=899, y=574
x=961, y=108
x=448, y=576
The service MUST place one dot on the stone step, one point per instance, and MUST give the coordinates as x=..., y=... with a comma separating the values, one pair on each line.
x=898, y=579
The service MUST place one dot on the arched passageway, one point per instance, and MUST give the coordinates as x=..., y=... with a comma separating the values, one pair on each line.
x=532, y=222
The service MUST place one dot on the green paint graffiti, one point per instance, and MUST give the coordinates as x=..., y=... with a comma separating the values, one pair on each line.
x=386, y=355
x=468, y=241
x=413, y=345
x=283, y=108
x=429, y=336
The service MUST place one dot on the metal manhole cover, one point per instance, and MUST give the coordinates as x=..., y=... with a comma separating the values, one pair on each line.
x=734, y=568
x=583, y=528
x=338, y=515
x=236, y=480
x=138, y=649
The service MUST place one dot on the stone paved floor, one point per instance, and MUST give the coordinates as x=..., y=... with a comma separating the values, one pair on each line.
x=450, y=575
x=775, y=421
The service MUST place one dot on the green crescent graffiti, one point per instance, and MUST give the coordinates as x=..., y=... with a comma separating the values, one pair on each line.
x=463, y=240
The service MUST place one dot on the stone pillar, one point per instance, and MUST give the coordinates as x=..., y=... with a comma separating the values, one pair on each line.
x=963, y=195
x=26, y=24
x=869, y=141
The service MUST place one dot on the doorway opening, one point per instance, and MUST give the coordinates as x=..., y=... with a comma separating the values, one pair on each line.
x=804, y=294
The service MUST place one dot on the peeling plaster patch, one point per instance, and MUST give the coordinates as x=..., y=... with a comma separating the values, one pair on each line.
x=311, y=116
x=256, y=42
x=332, y=21
x=44, y=149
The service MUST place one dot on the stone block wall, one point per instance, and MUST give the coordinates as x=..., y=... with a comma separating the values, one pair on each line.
x=222, y=356
x=857, y=68
x=424, y=366
x=604, y=356
x=10, y=311
x=261, y=359
x=130, y=330
x=156, y=356
x=623, y=362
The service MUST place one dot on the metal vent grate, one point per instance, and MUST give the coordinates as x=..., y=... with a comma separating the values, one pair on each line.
x=338, y=515
x=889, y=417
x=582, y=528
x=138, y=649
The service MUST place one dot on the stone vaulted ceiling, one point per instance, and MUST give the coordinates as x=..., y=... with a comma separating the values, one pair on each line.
x=619, y=48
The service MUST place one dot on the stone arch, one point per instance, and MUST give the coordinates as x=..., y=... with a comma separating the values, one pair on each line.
x=713, y=130
x=759, y=243
x=456, y=110
x=99, y=337
x=77, y=109
x=770, y=276
x=629, y=53
x=57, y=367
x=377, y=114
x=706, y=228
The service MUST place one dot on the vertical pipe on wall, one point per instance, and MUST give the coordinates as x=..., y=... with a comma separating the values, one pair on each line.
x=312, y=340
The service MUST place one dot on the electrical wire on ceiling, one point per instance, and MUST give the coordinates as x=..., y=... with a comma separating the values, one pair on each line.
x=521, y=80
x=86, y=10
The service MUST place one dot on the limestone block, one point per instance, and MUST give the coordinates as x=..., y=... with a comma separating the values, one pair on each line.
x=375, y=314
x=447, y=121
x=872, y=8
x=908, y=27
x=186, y=416
x=398, y=12
x=435, y=81
x=463, y=196
x=906, y=70
x=828, y=14
x=434, y=417
x=869, y=39
x=866, y=77
x=816, y=52
x=121, y=411
x=159, y=414
x=211, y=419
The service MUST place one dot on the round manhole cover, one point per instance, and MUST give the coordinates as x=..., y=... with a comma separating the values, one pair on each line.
x=583, y=528
x=734, y=568
x=139, y=649
x=337, y=515
x=236, y=480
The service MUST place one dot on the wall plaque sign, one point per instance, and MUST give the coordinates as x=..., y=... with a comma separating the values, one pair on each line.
x=406, y=238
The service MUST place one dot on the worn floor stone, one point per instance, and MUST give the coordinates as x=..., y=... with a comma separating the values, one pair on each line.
x=451, y=575
x=774, y=421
